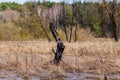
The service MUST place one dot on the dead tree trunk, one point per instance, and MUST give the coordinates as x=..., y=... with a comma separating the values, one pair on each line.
x=111, y=12
x=71, y=28
x=60, y=45
x=65, y=30
x=72, y=23
x=114, y=27
x=75, y=34
x=64, y=22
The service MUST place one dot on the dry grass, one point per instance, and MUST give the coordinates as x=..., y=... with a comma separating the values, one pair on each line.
x=33, y=58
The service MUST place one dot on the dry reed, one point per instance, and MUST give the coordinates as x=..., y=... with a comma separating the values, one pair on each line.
x=33, y=57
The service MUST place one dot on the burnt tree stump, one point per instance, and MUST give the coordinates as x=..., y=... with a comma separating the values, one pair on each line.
x=60, y=46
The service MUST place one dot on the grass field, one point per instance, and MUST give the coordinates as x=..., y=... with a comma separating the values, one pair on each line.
x=33, y=58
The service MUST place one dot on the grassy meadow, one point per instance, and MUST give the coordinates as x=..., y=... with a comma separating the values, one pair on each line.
x=33, y=58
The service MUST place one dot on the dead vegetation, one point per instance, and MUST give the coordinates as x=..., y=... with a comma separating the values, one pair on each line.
x=33, y=58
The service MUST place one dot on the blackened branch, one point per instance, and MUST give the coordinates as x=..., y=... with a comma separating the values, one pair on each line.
x=60, y=45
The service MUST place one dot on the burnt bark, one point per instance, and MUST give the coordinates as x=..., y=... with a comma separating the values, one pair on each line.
x=60, y=46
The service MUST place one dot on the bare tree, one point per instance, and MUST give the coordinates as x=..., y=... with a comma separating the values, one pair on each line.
x=71, y=28
x=64, y=22
x=111, y=8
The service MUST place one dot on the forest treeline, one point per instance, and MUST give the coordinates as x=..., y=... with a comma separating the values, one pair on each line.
x=76, y=21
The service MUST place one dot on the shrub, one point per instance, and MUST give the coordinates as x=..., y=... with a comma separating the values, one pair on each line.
x=48, y=4
x=12, y=5
x=97, y=29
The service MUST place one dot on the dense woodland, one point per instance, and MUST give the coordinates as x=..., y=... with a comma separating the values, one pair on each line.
x=74, y=22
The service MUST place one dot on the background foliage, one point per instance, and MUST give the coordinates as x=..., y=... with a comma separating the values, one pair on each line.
x=71, y=20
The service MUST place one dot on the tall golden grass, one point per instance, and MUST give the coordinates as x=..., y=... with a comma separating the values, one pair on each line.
x=33, y=57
